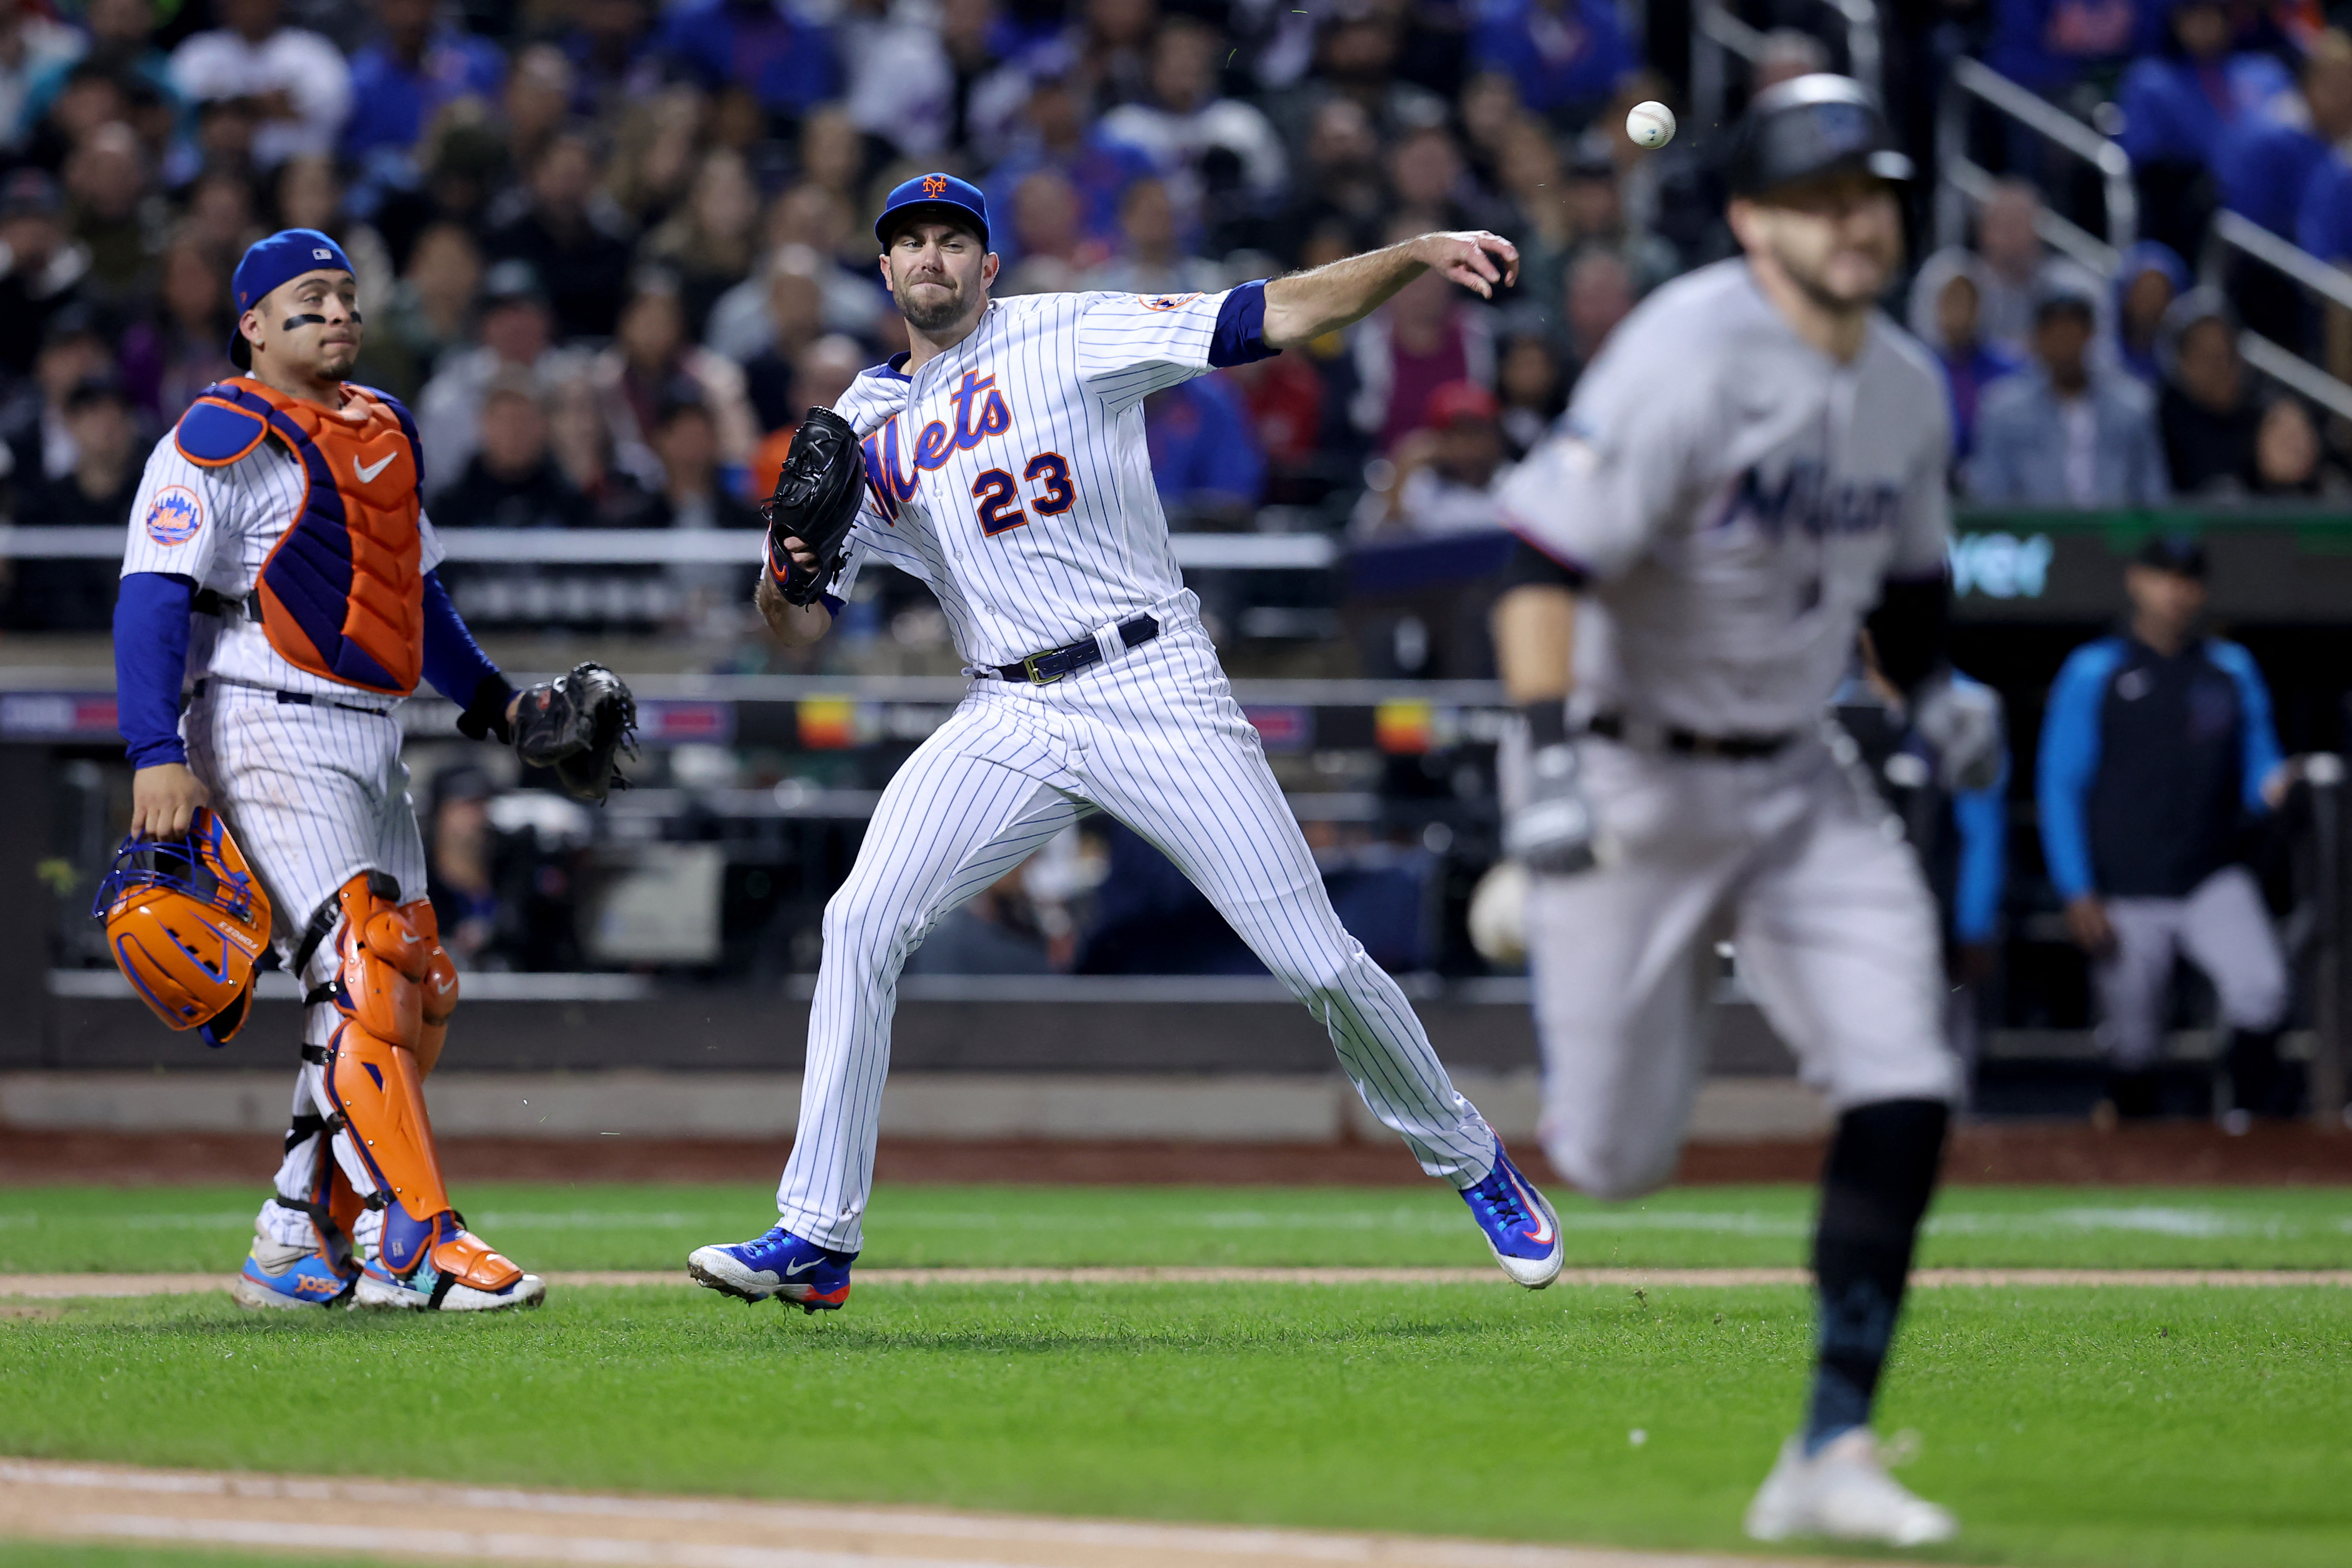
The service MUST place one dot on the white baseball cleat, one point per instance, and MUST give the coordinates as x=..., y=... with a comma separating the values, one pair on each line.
x=1843, y=1492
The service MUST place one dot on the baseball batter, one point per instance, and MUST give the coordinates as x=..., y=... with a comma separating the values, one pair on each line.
x=1004, y=464
x=278, y=555
x=1756, y=460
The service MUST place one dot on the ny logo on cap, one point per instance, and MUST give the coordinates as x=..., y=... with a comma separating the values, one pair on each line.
x=935, y=185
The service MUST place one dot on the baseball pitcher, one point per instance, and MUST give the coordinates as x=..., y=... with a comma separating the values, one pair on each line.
x=1001, y=461
x=280, y=556
x=1753, y=466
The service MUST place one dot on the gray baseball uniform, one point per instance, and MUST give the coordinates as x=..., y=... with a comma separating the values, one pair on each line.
x=1733, y=498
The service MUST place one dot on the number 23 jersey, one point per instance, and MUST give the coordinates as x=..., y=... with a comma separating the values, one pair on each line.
x=1010, y=472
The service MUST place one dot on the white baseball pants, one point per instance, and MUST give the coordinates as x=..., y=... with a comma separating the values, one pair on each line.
x=316, y=794
x=2223, y=929
x=1792, y=859
x=1154, y=738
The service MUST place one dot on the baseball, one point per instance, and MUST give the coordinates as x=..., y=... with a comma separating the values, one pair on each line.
x=1650, y=124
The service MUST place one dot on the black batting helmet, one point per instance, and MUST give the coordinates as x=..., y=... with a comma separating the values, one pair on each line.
x=1808, y=127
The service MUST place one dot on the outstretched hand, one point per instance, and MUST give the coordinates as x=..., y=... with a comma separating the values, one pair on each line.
x=1469, y=257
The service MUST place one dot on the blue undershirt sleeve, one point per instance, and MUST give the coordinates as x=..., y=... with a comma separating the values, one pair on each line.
x=1982, y=817
x=2069, y=761
x=2259, y=754
x=150, y=660
x=454, y=662
x=1240, y=327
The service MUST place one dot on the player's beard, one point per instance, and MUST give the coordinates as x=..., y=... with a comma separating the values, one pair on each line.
x=942, y=311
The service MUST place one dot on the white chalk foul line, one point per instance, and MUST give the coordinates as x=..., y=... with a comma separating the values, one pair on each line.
x=54, y=1500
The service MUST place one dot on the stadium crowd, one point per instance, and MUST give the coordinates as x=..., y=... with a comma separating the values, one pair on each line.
x=607, y=248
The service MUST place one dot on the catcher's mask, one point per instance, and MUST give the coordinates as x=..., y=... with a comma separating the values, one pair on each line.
x=186, y=919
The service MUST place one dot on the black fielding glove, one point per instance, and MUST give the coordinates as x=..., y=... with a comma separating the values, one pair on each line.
x=578, y=725
x=816, y=501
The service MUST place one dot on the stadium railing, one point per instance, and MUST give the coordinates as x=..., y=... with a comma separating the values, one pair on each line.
x=1716, y=35
x=2233, y=234
x=1960, y=180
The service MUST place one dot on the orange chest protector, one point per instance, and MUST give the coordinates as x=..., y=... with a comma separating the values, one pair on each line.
x=342, y=594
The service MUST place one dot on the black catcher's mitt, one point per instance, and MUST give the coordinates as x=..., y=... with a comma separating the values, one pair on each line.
x=816, y=501
x=577, y=724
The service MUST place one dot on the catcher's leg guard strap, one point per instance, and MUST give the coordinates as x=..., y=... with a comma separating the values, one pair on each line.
x=379, y=1091
x=437, y=991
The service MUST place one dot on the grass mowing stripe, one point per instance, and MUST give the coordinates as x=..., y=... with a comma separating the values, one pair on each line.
x=2194, y=1428
x=546, y=1226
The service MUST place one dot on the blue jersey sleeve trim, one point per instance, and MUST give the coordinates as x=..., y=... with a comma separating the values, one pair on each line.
x=150, y=660
x=1982, y=815
x=2069, y=760
x=2259, y=752
x=832, y=606
x=1240, y=327
x=454, y=662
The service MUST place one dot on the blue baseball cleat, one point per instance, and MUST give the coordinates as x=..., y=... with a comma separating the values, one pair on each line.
x=777, y=1264
x=279, y=1276
x=1521, y=1229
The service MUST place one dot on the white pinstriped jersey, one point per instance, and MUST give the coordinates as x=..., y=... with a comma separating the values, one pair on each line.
x=215, y=527
x=1011, y=473
x=1736, y=497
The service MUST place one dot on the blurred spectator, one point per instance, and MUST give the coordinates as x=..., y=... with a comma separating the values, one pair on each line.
x=1341, y=182
x=2018, y=268
x=1284, y=394
x=512, y=481
x=432, y=306
x=652, y=156
x=1357, y=60
x=1049, y=236
x=1428, y=183
x=2048, y=44
x=1184, y=123
x=33, y=421
x=1788, y=54
x=2291, y=463
x=901, y=88
x=2157, y=749
x=1945, y=310
x=2264, y=163
x=113, y=218
x=31, y=46
x=220, y=216
x=516, y=328
x=2206, y=409
x=690, y=496
x=2060, y=433
x=2177, y=106
x=1565, y=54
x=1113, y=39
x=582, y=445
x=1600, y=294
x=570, y=235
x=1442, y=477
x=1593, y=194
x=803, y=237
x=2147, y=280
x=1533, y=385
x=796, y=319
x=1150, y=261
x=182, y=346
x=707, y=244
x=1060, y=137
x=402, y=79
x=997, y=933
x=42, y=272
x=294, y=84
x=539, y=97
x=612, y=62
x=1424, y=336
x=1205, y=454
x=461, y=882
x=650, y=362
x=833, y=153
x=97, y=492
x=786, y=61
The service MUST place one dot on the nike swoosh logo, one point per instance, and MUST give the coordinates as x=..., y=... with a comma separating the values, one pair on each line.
x=802, y=1269
x=1541, y=1234
x=378, y=467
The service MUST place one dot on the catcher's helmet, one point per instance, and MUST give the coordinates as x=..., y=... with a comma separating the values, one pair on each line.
x=186, y=918
x=1808, y=127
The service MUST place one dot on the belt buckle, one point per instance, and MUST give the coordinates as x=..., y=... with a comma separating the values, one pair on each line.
x=1029, y=668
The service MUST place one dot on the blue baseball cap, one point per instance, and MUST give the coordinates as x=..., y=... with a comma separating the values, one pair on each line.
x=282, y=257
x=933, y=191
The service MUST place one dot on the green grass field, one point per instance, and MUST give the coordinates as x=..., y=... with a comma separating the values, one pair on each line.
x=2066, y=1426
